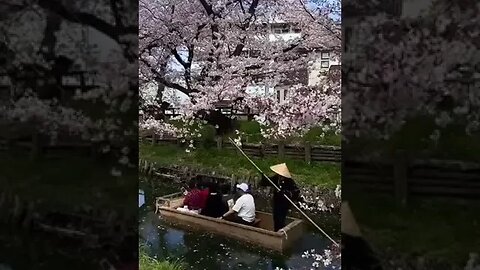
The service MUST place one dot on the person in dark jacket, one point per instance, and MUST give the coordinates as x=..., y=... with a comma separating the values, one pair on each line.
x=356, y=252
x=282, y=179
x=215, y=206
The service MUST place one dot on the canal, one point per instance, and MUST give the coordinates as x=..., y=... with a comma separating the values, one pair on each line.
x=203, y=250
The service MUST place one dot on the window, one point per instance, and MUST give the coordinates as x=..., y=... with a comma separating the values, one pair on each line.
x=5, y=80
x=254, y=53
x=70, y=80
x=296, y=29
x=226, y=111
x=285, y=92
x=250, y=53
x=281, y=28
x=325, y=64
x=348, y=36
x=325, y=55
x=278, y=96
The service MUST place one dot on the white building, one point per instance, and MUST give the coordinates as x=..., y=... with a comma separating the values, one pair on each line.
x=312, y=73
x=309, y=76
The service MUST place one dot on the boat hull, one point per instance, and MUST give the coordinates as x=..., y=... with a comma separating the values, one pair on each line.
x=262, y=235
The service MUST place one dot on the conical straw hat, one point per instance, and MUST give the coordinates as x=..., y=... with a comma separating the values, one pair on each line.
x=349, y=225
x=281, y=169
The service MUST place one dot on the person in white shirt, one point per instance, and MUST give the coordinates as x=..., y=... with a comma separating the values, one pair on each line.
x=243, y=211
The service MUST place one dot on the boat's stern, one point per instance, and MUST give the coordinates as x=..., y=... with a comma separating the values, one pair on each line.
x=168, y=201
x=291, y=233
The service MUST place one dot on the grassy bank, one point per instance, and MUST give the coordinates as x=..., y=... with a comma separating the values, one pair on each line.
x=415, y=137
x=251, y=133
x=68, y=181
x=437, y=230
x=228, y=162
x=149, y=263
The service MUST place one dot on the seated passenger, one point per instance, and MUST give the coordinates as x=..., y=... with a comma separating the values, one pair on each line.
x=195, y=199
x=243, y=211
x=215, y=206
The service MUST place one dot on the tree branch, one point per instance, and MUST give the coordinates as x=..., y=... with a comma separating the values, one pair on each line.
x=208, y=7
x=159, y=78
x=115, y=11
x=179, y=58
x=252, y=7
x=87, y=19
x=251, y=10
x=315, y=20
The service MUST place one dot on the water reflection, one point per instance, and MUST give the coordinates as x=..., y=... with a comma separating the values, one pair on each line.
x=200, y=250
x=174, y=239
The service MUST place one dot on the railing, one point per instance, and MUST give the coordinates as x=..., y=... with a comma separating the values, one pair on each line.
x=400, y=177
x=415, y=178
x=306, y=151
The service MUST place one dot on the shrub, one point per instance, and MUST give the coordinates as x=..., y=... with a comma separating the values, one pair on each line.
x=251, y=129
x=208, y=136
x=148, y=263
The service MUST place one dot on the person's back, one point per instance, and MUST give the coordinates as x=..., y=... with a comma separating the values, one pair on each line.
x=193, y=199
x=245, y=207
x=214, y=205
x=243, y=211
x=204, y=194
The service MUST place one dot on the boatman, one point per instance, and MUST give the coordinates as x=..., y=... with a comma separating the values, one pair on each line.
x=243, y=211
x=283, y=180
x=356, y=252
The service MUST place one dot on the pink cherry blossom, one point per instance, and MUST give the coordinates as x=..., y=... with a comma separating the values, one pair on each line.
x=211, y=51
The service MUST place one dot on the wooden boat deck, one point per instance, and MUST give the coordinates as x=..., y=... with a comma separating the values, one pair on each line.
x=261, y=235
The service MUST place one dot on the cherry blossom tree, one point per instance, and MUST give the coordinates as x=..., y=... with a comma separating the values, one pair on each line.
x=402, y=67
x=212, y=51
x=46, y=41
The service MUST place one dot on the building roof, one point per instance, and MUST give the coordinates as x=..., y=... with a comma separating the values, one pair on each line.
x=364, y=8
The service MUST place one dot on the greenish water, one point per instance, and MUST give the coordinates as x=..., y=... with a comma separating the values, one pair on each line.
x=202, y=250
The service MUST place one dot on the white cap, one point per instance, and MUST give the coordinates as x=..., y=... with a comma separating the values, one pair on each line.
x=243, y=187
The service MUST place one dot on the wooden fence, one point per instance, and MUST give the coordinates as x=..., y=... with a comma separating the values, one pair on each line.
x=306, y=152
x=421, y=178
x=36, y=146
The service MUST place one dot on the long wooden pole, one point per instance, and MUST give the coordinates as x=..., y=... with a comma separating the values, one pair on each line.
x=278, y=189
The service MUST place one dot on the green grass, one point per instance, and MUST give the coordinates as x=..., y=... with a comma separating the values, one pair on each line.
x=439, y=230
x=330, y=138
x=414, y=137
x=149, y=263
x=251, y=133
x=66, y=182
x=251, y=129
x=228, y=162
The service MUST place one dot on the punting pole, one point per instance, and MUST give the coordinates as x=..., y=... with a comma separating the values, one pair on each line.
x=271, y=182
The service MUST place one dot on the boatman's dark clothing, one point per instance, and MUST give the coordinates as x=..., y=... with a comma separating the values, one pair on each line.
x=215, y=206
x=280, y=204
x=357, y=254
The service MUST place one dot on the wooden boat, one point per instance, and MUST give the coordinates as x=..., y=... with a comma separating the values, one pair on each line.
x=261, y=234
